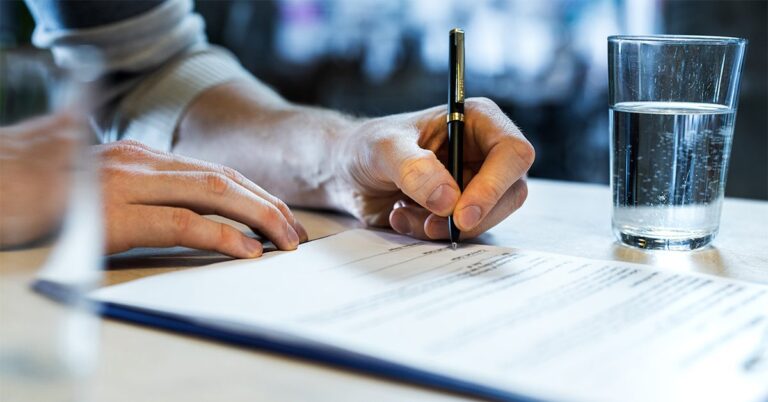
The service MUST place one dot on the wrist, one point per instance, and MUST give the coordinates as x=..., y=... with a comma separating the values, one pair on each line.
x=362, y=157
x=346, y=149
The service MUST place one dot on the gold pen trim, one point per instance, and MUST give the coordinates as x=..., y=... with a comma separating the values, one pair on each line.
x=459, y=38
x=454, y=117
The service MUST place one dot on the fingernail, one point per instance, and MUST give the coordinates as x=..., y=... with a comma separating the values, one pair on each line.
x=301, y=231
x=442, y=198
x=437, y=228
x=469, y=216
x=293, y=237
x=252, y=247
x=400, y=223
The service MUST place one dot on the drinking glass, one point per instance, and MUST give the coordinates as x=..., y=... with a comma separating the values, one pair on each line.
x=50, y=230
x=672, y=112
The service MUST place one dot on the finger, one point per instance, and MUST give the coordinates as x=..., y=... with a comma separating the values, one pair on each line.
x=418, y=173
x=300, y=230
x=468, y=174
x=214, y=193
x=436, y=227
x=508, y=156
x=409, y=219
x=151, y=226
x=179, y=162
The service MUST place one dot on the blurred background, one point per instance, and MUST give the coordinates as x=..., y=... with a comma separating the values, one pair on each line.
x=544, y=62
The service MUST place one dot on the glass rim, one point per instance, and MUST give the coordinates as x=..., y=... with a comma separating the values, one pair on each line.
x=679, y=39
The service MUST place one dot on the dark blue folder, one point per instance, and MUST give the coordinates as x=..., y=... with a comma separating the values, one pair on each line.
x=287, y=346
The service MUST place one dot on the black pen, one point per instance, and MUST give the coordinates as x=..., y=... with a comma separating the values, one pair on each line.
x=455, y=119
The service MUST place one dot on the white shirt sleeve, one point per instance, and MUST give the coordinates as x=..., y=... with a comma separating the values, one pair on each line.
x=153, y=66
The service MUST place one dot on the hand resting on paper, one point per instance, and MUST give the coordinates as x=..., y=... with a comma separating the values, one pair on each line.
x=156, y=199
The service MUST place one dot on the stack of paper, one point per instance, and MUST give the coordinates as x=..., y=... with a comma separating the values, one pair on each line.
x=492, y=321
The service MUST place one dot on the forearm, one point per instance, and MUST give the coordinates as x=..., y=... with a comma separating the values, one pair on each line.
x=384, y=171
x=291, y=151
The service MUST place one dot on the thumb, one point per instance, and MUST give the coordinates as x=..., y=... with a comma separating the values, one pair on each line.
x=420, y=175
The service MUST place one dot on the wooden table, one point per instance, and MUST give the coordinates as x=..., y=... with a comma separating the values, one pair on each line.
x=143, y=364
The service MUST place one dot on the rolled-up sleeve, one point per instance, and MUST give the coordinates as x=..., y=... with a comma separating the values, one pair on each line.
x=154, y=60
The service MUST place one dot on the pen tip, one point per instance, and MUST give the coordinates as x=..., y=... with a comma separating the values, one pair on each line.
x=454, y=245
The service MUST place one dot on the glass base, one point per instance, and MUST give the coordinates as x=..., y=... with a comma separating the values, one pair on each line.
x=655, y=243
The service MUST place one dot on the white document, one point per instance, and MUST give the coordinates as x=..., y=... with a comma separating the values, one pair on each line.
x=536, y=324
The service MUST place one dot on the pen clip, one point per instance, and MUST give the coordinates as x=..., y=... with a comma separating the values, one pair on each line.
x=459, y=43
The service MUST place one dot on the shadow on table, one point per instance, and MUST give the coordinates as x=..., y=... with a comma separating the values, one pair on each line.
x=177, y=257
x=173, y=257
x=706, y=260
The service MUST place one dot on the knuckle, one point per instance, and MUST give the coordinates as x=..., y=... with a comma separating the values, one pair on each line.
x=271, y=222
x=493, y=189
x=217, y=183
x=483, y=102
x=520, y=151
x=525, y=152
x=272, y=216
x=117, y=180
x=132, y=143
x=232, y=174
x=283, y=207
x=227, y=235
x=125, y=147
x=385, y=143
x=181, y=219
x=414, y=172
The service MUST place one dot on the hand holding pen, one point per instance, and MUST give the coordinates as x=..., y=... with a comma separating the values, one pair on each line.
x=445, y=173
